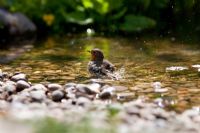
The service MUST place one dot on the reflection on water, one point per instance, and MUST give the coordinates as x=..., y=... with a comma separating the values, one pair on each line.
x=140, y=63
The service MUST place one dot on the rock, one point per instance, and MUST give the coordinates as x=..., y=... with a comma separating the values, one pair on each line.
x=38, y=87
x=95, y=87
x=38, y=95
x=20, y=76
x=156, y=85
x=69, y=85
x=107, y=93
x=84, y=89
x=16, y=23
x=176, y=68
x=82, y=101
x=57, y=95
x=53, y=87
x=9, y=87
x=21, y=84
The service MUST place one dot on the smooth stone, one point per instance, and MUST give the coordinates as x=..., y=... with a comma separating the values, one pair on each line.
x=156, y=85
x=53, y=87
x=57, y=95
x=69, y=85
x=85, y=89
x=38, y=95
x=176, y=68
x=38, y=87
x=95, y=87
x=104, y=87
x=10, y=88
x=20, y=76
x=83, y=101
x=105, y=95
x=21, y=85
x=120, y=88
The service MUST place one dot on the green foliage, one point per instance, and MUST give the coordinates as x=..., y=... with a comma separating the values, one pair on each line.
x=137, y=23
x=103, y=15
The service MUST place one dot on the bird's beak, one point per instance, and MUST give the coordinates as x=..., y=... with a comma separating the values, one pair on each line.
x=89, y=51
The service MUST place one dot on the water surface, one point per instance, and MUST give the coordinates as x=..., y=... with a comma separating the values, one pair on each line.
x=65, y=59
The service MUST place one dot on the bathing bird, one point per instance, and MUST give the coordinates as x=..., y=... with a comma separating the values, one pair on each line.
x=98, y=66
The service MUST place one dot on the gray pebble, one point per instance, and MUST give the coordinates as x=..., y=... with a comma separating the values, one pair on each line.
x=38, y=95
x=10, y=88
x=69, y=85
x=20, y=76
x=53, y=87
x=84, y=89
x=105, y=95
x=38, y=87
x=83, y=101
x=21, y=84
x=57, y=95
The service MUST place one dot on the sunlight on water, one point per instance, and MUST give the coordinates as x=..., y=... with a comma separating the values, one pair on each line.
x=140, y=66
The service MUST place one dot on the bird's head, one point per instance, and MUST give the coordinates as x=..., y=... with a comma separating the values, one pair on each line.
x=96, y=55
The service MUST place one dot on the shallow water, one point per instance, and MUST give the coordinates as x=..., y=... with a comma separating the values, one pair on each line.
x=143, y=60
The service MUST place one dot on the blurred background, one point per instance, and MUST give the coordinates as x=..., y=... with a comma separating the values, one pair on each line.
x=163, y=17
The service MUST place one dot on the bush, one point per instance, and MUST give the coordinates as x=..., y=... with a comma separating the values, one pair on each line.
x=109, y=15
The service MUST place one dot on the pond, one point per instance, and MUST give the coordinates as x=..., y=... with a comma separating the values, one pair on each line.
x=142, y=63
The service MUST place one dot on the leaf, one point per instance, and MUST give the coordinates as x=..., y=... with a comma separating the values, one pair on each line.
x=135, y=23
x=78, y=18
x=119, y=14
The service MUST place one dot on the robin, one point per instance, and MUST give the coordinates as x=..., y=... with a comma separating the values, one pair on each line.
x=98, y=66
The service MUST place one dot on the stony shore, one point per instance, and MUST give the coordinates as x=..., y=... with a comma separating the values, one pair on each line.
x=95, y=101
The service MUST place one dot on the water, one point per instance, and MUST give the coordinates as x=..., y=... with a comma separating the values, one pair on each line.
x=140, y=64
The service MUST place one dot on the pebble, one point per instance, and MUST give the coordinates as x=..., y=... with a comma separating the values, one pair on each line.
x=69, y=85
x=53, y=87
x=38, y=95
x=10, y=88
x=85, y=89
x=57, y=95
x=19, y=76
x=105, y=95
x=83, y=101
x=95, y=87
x=38, y=87
x=21, y=84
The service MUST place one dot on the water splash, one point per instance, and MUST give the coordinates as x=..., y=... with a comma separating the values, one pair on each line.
x=117, y=75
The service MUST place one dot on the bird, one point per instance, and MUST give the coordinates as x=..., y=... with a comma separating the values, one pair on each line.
x=98, y=66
